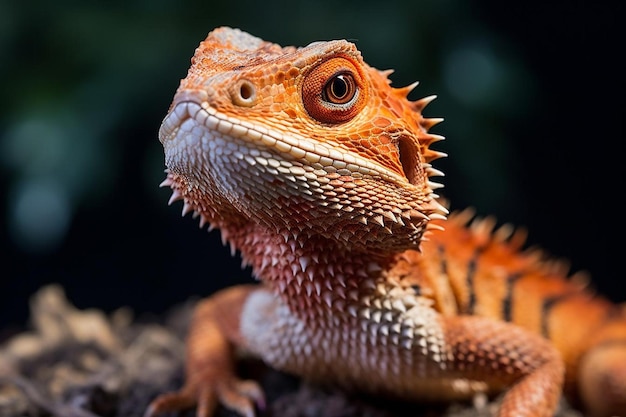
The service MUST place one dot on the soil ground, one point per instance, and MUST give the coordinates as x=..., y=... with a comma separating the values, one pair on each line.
x=83, y=363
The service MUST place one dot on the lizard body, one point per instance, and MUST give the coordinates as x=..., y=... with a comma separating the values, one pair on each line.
x=319, y=173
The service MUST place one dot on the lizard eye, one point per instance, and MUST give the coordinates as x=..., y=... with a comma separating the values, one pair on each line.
x=334, y=92
x=340, y=89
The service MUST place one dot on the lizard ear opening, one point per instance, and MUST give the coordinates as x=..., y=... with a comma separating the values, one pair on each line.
x=408, y=159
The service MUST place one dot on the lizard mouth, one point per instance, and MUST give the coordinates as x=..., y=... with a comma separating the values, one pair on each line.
x=218, y=162
x=188, y=122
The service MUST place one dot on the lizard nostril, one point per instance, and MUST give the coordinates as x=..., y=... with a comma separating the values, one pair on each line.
x=244, y=93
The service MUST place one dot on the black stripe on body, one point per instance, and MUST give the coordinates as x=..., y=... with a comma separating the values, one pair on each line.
x=443, y=263
x=469, y=280
x=546, y=308
x=507, y=301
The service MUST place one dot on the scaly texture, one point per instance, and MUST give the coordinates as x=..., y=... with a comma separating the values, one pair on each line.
x=318, y=172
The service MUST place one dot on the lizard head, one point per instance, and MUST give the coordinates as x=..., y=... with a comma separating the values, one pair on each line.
x=309, y=140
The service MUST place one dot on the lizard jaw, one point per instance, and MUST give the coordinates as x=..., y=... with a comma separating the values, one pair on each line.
x=335, y=194
x=190, y=114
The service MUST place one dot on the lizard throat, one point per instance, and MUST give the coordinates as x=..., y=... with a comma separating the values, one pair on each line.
x=315, y=277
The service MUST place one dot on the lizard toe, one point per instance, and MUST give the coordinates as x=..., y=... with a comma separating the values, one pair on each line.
x=170, y=402
x=241, y=396
x=252, y=390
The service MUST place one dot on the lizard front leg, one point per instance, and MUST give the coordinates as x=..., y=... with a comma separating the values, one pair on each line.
x=494, y=355
x=504, y=354
x=210, y=368
x=414, y=353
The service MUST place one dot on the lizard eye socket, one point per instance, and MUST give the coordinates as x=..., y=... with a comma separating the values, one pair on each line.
x=334, y=92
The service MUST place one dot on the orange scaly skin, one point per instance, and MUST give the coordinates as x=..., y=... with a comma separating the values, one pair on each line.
x=317, y=171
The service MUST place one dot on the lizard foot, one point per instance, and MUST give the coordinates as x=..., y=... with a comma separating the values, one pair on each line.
x=235, y=394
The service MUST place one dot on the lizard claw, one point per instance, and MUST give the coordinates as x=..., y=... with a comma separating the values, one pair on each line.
x=173, y=401
x=238, y=395
x=170, y=402
x=241, y=396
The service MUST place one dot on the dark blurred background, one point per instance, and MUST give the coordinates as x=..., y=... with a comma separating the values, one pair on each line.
x=532, y=93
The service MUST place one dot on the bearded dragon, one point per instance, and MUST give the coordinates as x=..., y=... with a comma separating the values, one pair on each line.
x=319, y=173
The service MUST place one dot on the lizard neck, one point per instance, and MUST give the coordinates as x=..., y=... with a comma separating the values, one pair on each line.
x=315, y=276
